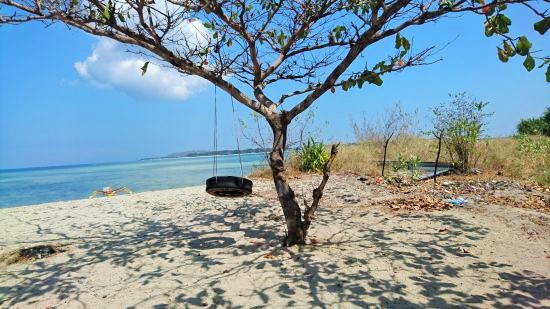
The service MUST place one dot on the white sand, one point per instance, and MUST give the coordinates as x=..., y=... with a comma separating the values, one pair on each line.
x=182, y=248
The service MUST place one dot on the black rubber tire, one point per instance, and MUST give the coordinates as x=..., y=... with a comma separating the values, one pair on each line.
x=228, y=186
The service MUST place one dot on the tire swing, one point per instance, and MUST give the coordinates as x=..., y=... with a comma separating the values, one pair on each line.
x=226, y=186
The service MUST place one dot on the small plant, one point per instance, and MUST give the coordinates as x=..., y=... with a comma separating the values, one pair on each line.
x=411, y=164
x=313, y=156
x=401, y=163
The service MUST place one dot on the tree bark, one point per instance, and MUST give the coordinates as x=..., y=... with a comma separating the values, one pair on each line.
x=296, y=233
x=296, y=225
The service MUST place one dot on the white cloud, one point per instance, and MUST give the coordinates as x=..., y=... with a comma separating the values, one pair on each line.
x=111, y=65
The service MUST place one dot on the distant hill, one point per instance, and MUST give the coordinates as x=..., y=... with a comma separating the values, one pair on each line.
x=200, y=153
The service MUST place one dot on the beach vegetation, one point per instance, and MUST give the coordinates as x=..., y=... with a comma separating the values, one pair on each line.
x=461, y=121
x=535, y=126
x=312, y=156
x=524, y=158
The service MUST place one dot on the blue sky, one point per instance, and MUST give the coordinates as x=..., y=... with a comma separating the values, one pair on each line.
x=53, y=112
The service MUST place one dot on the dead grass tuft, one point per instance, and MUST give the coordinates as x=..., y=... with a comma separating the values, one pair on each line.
x=29, y=254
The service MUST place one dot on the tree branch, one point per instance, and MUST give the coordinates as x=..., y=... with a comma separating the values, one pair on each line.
x=318, y=192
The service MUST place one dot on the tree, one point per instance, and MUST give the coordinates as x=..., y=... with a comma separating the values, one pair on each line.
x=249, y=48
x=536, y=126
x=395, y=122
x=459, y=123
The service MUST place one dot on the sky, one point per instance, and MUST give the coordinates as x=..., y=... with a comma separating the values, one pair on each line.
x=67, y=97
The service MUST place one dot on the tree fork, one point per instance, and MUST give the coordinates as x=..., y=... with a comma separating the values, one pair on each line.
x=318, y=192
x=296, y=227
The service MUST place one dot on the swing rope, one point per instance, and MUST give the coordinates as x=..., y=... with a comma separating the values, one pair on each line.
x=215, y=163
x=237, y=135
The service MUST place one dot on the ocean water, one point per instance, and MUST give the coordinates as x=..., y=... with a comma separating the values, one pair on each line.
x=50, y=184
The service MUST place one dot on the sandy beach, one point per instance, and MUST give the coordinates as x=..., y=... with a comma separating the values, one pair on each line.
x=183, y=248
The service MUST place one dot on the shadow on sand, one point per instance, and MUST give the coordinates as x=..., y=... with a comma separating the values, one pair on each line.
x=196, y=259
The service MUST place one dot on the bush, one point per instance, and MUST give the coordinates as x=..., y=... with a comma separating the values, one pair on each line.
x=313, y=156
x=535, y=126
x=461, y=122
x=533, y=144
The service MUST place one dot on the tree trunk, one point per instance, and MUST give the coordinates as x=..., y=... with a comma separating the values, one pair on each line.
x=296, y=225
x=439, y=138
x=296, y=231
x=385, y=150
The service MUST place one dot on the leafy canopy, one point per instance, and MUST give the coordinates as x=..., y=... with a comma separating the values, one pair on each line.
x=317, y=45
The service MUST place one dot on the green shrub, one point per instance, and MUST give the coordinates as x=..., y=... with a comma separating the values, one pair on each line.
x=532, y=126
x=535, y=126
x=461, y=122
x=533, y=144
x=313, y=156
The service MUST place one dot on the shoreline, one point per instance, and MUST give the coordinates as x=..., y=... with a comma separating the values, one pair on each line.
x=43, y=185
x=114, y=198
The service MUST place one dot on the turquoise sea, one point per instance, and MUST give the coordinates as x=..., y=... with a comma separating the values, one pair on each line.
x=50, y=184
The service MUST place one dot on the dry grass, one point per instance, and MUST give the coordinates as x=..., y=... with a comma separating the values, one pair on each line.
x=362, y=158
x=509, y=157
x=517, y=159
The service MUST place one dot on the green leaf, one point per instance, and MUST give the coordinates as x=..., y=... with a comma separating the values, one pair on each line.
x=229, y=43
x=542, y=26
x=529, y=63
x=509, y=49
x=523, y=46
x=346, y=85
x=208, y=25
x=406, y=44
x=502, y=23
x=203, y=52
x=548, y=74
x=144, y=68
x=360, y=82
x=380, y=66
x=374, y=78
x=397, y=41
x=121, y=17
x=502, y=55
x=341, y=28
x=445, y=4
x=107, y=12
x=489, y=29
